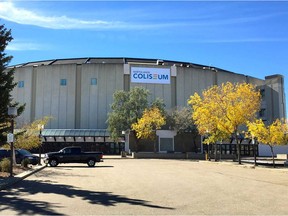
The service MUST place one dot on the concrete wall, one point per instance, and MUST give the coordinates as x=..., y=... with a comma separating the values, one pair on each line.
x=96, y=99
x=223, y=77
x=265, y=151
x=82, y=105
x=191, y=80
x=55, y=100
x=24, y=95
x=275, y=97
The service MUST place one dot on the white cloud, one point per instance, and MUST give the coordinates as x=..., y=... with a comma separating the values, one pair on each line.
x=10, y=12
x=24, y=46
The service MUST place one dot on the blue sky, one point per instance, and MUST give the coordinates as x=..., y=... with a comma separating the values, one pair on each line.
x=247, y=37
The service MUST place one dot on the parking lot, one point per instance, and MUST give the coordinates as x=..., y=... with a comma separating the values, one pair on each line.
x=150, y=187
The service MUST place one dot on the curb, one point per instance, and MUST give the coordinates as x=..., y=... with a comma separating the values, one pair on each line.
x=11, y=181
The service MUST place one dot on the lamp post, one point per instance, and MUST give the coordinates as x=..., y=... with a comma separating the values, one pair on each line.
x=12, y=112
x=126, y=133
x=40, y=128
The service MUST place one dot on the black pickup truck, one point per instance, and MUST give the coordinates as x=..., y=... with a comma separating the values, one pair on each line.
x=73, y=155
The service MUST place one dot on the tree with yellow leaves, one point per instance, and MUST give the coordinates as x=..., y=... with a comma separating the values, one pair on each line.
x=222, y=110
x=28, y=138
x=151, y=120
x=271, y=135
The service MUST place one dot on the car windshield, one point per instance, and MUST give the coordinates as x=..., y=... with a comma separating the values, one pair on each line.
x=24, y=152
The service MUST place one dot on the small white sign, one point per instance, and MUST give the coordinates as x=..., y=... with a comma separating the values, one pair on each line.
x=150, y=75
x=10, y=137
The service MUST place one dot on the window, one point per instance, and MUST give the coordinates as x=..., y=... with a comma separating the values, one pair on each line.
x=63, y=82
x=93, y=81
x=21, y=84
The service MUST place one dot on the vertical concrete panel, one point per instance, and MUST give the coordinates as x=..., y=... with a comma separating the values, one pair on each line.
x=47, y=97
x=70, y=71
x=23, y=95
x=173, y=92
x=78, y=97
x=96, y=100
x=223, y=77
x=206, y=80
x=93, y=106
x=41, y=87
x=103, y=74
x=55, y=96
x=187, y=86
x=190, y=80
x=180, y=80
x=85, y=95
x=55, y=100
x=275, y=97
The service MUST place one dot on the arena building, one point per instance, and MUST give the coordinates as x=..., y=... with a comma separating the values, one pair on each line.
x=78, y=92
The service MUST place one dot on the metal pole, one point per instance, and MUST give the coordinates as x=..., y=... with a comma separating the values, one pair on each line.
x=12, y=148
x=40, y=138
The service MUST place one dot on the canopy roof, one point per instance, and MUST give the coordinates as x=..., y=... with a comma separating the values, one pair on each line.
x=75, y=133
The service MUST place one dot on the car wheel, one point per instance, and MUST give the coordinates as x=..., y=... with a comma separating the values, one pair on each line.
x=91, y=162
x=53, y=162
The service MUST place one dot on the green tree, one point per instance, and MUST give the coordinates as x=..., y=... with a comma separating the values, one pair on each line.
x=151, y=120
x=181, y=121
x=7, y=84
x=271, y=135
x=224, y=109
x=127, y=108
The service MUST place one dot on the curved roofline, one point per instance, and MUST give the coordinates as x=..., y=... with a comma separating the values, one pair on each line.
x=118, y=60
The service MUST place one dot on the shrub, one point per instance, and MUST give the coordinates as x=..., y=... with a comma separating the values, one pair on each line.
x=5, y=165
x=25, y=162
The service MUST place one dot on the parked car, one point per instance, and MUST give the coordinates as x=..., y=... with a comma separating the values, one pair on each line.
x=20, y=155
x=73, y=155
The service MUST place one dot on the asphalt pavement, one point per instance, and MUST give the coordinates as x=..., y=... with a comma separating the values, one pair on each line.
x=150, y=187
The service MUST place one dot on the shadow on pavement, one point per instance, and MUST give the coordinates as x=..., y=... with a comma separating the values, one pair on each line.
x=82, y=167
x=17, y=203
x=15, y=198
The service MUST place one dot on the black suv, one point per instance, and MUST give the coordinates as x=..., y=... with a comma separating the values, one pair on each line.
x=20, y=154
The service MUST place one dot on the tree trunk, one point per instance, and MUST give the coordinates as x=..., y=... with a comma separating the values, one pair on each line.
x=254, y=152
x=272, y=152
x=238, y=150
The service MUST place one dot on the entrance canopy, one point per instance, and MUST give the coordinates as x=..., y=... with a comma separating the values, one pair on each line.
x=77, y=135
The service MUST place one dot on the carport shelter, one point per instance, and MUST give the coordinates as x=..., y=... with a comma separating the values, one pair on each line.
x=87, y=139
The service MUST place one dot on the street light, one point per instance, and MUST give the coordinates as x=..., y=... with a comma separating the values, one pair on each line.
x=126, y=133
x=40, y=128
x=12, y=112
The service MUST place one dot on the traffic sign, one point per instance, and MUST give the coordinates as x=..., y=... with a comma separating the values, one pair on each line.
x=10, y=137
